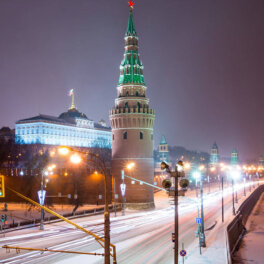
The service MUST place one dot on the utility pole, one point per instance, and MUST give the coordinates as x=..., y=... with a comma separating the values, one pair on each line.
x=222, y=198
x=41, y=227
x=233, y=198
x=106, y=219
x=114, y=198
x=202, y=215
x=176, y=218
x=244, y=186
x=167, y=184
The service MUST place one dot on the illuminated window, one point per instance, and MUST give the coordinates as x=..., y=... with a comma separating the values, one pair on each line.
x=132, y=182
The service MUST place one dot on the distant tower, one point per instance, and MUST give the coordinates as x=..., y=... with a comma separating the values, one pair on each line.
x=163, y=154
x=214, y=156
x=234, y=157
x=132, y=126
x=261, y=160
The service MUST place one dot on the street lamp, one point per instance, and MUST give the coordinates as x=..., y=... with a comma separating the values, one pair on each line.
x=41, y=195
x=129, y=166
x=176, y=174
x=200, y=177
x=235, y=174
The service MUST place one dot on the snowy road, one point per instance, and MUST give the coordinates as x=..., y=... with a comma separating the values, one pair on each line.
x=140, y=237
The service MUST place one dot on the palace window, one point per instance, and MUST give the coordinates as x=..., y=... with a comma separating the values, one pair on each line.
x=125, y=135
x=141, y=135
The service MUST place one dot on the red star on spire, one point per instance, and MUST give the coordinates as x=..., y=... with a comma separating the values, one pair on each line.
x=131, y=4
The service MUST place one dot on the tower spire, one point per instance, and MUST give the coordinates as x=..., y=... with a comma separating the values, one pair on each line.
x=131, y=31
x=71, y=93
x=131, y=68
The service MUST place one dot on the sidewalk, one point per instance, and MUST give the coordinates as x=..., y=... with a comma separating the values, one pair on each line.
x=251, y=249
x=22, y=212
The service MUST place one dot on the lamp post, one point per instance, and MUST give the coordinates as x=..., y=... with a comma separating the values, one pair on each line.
x=41, y=195
x=98, y=162
x=123, y=191
x=175, y=175
x=235, y=174
x=198, y=176
x=233, y=198
x=129, y=166
x=203, y=244
x=41, y=227
x=244, y=186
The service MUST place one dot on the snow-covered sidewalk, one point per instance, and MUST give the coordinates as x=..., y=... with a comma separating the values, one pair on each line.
x=251, y=249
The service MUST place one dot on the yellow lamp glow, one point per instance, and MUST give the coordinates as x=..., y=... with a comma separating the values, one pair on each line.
x=75, y=159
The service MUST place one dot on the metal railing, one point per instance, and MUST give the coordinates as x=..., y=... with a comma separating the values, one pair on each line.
x=236, y=229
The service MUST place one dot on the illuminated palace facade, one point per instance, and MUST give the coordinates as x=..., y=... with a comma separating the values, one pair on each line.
x=71, y=128
x=132, y=122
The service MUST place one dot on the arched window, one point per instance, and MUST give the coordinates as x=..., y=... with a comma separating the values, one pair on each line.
x=127, y=94
x=138, y=105
x=125, y=135
x=136, y=93
x=141, y=135
x=126, y=104
x=113, y=137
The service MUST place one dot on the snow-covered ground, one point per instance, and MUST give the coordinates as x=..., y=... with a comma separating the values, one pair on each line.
x=251, y=249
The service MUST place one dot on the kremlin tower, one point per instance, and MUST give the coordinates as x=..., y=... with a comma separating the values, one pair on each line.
x=132, y=124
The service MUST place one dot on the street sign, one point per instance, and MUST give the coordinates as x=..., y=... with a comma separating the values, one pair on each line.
x=123, y=189
x=173, y=237
x=41, y=196
x=198, y=220
x=183, y=253
x=2, y=186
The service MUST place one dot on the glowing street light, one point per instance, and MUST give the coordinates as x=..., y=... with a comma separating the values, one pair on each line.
x=64, y=151
x=130, y=165
x=75, y=159
x=197, y=175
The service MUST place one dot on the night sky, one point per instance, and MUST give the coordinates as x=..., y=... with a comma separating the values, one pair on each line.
x=203, y=59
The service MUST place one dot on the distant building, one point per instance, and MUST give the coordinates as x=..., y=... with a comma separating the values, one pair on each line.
x=71, y=128
x=214, y=155
x=163, y=152
x=234, y=157
x=162, y=155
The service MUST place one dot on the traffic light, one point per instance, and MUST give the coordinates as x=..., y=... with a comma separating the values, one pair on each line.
x=2, y=186
x=2, y=218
